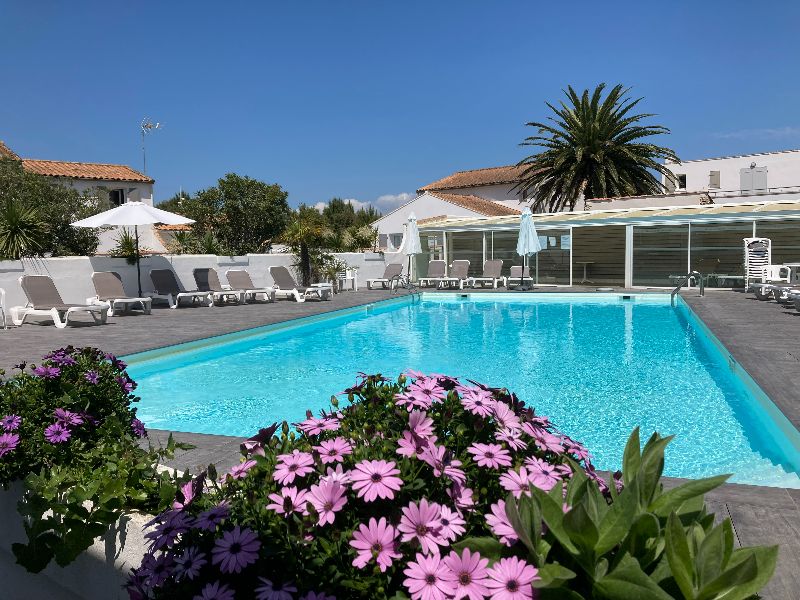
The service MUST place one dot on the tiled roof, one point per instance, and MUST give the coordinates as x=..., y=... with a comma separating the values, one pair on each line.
x=82, y=170
x=173, y=227
x=6, y=152
x=476, y=204
x=477, y=177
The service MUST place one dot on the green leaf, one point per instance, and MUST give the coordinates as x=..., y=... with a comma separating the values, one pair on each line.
x=629, y=582
x=524, y=518
x=673, y=499
x=581, y=529
x=553, y=575
x=632, y=457
x=488, y=547
x=618, y=520
x=749, y=570
x=679, y=557
x=651, y=468
x=710, y=559
x=553, y=516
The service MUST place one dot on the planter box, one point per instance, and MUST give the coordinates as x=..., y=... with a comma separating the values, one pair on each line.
x=99, y=573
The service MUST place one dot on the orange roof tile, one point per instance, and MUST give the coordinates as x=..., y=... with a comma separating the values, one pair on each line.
x=476, y=204
x=173, y=227
x=82, y=170
x=477, y=177
x=6, y=152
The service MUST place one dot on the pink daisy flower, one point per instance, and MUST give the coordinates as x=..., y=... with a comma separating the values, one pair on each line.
x=376, y=479
x=500, y=525
x=478, y=402
x=512, y=437
x=327, y=498
x=409, y=401
x=376, y=540
x=337, y=474
x=542, y=474
x=296, y=464
x=451, y=522
x=235, y=550
x=240, y=471
x=468, y=573
x=270, y=591
x=421, y=522
x=332, y=451
x=420, y=424
x=505, y=417
x=550, y=442
x=492, y=456
x=516, y=482
x=289, y=501
x=426, y=579
x=462, y=497
x=443, y=463
x=317, y=596
x=428, y=388
x=510, y=579
x=411, y=446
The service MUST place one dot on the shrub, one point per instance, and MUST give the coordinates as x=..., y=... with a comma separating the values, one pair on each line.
x=68, y=429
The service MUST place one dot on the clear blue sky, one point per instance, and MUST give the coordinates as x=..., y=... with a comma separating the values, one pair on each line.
x=368, y=99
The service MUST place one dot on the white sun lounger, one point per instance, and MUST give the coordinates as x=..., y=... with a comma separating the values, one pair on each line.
x=286, y=287
x=459, y=273
x=515, y=275
x=240, y=280
x=3, y=307
x=492, y=274
x=45, y=301
x=207, y=280
x=436, y=272
x=167, y=288
x=110, y=292
x=390, y=277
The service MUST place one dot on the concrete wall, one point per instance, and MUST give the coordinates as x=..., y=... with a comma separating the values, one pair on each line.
x=783, y=170
x=73, y=275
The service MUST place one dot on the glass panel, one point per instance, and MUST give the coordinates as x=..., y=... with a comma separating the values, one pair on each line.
x=717, y=252
x=504, y=247
x=553, y=259
x=785, y=236
x=660, y=255
x=467, y=245
x=598, y=255
x=432, y=249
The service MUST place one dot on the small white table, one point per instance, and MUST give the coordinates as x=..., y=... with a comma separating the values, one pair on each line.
x=348, y=276
x=585, y=264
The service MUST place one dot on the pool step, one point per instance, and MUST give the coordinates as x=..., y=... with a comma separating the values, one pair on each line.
x=765, y=472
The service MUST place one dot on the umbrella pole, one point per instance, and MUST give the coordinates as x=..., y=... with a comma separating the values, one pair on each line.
x=138, y=268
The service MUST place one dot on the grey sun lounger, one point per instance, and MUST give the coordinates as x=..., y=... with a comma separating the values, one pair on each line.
x=390, y=277
x=207, y=280
x=45, y=301
x=240, y=280
x=286, y=287
x=515, y=275
x=459, y=273
x=436, y=272
x=167, y=288
x=111, y=293
x=492, y=274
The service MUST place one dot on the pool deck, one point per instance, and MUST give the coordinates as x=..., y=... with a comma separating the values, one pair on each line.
x=762, y=336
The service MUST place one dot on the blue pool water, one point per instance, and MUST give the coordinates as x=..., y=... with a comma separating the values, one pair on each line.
x=598, y=366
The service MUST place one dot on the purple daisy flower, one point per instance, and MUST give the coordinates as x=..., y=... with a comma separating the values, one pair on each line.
x=212, y=517
x=235, y=550
x=8, y=443
x=215, y=591
x=138, y=428
x=189, y=564
x=57, y=433
x=64, y=360
x=92, y=377
x=67, y=417
x=46, y=372
x=125, y=383
x=10, y=422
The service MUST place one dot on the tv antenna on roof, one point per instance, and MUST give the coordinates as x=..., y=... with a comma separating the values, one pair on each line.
x=147, y=126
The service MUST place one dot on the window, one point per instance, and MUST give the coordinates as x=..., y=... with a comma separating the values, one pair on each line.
x=714, y=179
x=681, y=181
x=753, y=179
x=117, y=197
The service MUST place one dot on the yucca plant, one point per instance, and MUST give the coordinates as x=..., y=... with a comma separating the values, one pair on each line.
x=20, y=230
x=126, y=247
x=183, y=242
x=593, y=148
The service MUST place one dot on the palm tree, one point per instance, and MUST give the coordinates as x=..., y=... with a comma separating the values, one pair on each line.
x=20, y=230
x=593, y=148
x=305, y=235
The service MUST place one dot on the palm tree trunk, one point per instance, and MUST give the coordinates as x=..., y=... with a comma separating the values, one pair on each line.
x=305, y=264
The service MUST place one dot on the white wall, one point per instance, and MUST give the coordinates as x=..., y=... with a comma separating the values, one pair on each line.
x=423, y=206
x=72, y=275
x=783, y=170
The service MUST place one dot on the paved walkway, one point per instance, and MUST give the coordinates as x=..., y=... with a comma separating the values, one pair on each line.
x=763, y=337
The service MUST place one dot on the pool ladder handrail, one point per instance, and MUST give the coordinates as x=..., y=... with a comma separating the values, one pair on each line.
x=685, y=280
x=405, y=282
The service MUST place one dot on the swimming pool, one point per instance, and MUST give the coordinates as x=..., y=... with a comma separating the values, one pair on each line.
x=598, y=365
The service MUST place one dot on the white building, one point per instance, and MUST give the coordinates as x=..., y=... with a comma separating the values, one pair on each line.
x=477, y=193
x=764, y=172
x=120, y=182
